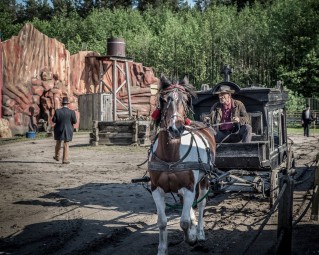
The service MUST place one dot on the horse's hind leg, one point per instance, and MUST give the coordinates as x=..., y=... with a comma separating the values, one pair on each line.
x=158, y=196
x=186, y=222
x=203, y=189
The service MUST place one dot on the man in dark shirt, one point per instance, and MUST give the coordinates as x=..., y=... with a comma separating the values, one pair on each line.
x=306, y=118
x=64, y=120
x=229, y=114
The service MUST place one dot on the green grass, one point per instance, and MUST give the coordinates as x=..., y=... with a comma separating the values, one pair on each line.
x=21, y=138
x=299, y=131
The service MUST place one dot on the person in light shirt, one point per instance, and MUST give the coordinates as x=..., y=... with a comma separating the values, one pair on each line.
x=306, y=119
x=230, y=118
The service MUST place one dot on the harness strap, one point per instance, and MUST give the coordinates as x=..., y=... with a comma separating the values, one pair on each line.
x=180, y=160
x=183, y=166
x=208, y=150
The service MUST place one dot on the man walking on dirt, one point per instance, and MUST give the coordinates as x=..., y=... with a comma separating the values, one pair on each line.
x=306, y=118
x=64, y=120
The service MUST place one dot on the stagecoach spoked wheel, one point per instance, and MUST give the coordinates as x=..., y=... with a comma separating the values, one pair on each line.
x=290, y=163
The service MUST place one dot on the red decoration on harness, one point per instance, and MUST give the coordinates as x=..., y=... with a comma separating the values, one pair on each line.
x=176, y=86
x=156, y=114
x=187, y=121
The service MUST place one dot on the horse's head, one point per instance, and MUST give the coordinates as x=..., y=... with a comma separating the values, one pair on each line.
x=175, y=102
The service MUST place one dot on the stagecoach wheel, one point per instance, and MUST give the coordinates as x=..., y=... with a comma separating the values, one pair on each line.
x=290, y=163
x=274, y=186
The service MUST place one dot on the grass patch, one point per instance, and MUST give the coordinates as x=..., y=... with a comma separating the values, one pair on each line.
x=299, y=131
x=22, y=138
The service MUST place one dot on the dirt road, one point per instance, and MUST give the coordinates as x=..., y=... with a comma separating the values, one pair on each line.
x=91, y=206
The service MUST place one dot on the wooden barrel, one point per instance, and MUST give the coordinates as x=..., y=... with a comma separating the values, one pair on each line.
x=116, y=47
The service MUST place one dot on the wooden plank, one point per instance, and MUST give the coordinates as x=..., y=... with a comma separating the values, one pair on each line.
x=115, y=135
x=116, y=129
x=115, y=142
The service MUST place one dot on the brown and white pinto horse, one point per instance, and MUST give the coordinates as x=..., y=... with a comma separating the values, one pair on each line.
x=180, y=159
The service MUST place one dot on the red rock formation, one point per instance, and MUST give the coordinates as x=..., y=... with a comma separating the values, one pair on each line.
x=38, y=71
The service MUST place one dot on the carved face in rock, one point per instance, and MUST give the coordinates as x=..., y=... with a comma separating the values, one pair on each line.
x=44, y=75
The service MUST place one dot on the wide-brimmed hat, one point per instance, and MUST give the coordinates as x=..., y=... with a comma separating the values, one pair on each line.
x=65, y=100
x=224, y=89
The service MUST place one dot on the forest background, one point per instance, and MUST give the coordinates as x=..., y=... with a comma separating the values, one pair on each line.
x=264, y=41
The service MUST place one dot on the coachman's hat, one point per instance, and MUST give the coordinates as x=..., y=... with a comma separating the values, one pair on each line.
x=224, y=89
x=65, y=100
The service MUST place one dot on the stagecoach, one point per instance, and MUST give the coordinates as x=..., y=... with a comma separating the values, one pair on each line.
x=185, y=159
x=268, y=155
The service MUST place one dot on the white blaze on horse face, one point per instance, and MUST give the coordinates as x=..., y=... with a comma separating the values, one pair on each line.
x=175, y=115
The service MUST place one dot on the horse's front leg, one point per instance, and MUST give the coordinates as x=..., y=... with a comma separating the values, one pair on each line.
x=158, y=196
x=188, y=218
x=201, y=207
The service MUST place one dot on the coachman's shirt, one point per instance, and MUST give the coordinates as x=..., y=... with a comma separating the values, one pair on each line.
x=237, y=110
x=226, y=118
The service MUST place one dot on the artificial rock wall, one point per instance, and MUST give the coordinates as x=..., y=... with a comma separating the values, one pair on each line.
x=38, y=71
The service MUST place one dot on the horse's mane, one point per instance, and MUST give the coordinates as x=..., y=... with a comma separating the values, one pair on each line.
x=166, y=83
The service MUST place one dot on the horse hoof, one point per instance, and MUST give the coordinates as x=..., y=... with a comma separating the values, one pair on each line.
x=201, y=236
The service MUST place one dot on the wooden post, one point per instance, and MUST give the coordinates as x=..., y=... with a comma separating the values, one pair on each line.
x=114, y=90
x=101, y=76
x=128, y=84
x=285, y=209
x=95, y=133
x=135, y=132
x=315, y=202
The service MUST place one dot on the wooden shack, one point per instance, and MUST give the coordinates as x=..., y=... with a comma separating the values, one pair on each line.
x=94, y=107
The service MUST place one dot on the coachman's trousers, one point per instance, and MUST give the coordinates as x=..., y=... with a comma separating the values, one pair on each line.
x=242, y=135
x=65, y=150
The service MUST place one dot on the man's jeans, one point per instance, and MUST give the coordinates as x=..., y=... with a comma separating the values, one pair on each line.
x=243, y=135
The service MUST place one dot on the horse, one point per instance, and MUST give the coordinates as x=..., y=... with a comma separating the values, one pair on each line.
x=180, y=161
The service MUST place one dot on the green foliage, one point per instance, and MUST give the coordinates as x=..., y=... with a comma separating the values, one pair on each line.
x=263, y=41
x=296, y=102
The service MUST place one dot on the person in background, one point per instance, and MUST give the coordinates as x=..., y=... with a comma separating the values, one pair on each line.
x=230, y=118
x=306, y=119
x=32, y=126
x=64, y=119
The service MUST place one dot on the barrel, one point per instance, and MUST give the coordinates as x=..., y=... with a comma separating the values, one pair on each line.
x=116, y=47
x=31, y=134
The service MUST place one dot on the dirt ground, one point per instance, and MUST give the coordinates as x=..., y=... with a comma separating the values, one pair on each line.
x=91, y=206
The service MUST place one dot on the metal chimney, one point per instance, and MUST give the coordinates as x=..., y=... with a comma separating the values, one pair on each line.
x=116, y=47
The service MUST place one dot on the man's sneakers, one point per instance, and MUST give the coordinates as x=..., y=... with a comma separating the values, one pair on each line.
x=55, y=158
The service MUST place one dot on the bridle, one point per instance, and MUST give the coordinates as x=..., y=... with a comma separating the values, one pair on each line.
x=173, y=95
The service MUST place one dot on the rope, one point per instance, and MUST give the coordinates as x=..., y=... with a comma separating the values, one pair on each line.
x=195, y=203
x=304, y=212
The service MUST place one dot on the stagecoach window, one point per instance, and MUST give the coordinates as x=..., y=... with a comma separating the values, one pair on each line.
x=274, y=128
x=256, y=122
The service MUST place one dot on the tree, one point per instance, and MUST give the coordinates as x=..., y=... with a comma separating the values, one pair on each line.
x=9, y=21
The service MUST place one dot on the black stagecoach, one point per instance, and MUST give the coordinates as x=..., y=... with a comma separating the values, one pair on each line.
x=268, y=155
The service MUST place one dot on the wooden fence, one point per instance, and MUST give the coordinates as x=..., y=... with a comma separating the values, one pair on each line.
x=294, y=119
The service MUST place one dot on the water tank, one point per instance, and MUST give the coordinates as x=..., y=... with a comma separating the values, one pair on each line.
x=116, y=47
